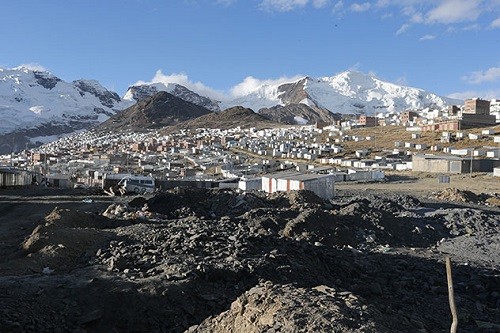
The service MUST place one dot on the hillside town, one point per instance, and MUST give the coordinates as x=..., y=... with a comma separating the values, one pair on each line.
x=314, y=156
x=264, y=166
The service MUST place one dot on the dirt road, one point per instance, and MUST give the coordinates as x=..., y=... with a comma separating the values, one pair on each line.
x=424, y=184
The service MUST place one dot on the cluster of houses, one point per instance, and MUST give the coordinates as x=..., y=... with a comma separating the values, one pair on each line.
x=273, y=159
x=475, y=112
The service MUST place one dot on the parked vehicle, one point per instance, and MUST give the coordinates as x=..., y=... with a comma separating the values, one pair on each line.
x=137, y=184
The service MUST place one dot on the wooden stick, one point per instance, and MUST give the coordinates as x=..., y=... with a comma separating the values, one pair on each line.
x=451, y=297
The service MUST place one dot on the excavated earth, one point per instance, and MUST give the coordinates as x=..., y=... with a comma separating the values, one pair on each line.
x=220, y=261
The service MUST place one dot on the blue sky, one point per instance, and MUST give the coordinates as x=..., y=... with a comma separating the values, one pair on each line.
x=450, y=47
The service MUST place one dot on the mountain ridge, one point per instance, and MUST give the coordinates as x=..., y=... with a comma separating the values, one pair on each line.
x=346, y=93
x=37, y=105
x=160, y=110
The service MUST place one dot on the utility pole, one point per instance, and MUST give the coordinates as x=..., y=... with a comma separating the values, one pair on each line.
x=471, y=155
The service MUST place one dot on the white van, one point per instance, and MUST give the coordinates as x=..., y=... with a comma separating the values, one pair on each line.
x=138, y=184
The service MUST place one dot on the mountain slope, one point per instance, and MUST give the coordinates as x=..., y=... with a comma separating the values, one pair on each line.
x=301, y=114
x=161, y=109
x=229, y=118
x=347, y=92
x=35, y=105
x=138, y=92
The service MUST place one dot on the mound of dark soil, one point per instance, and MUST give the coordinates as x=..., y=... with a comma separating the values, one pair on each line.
x=220, y=261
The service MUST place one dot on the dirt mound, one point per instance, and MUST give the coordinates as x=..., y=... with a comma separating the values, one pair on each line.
x=221, y=261
x=296, y=198
x=493, y=200
x=456, y=195
x=183, y=202
x=263, y=308
x=77, y=219
x=66, y=240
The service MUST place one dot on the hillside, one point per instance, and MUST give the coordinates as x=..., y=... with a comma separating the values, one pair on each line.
x=298, y=114
x=160, y=110
x=229, y=118
x=139, y=92
x=37, y=106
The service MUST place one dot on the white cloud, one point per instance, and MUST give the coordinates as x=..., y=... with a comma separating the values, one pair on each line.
x=33, y=66
x=248, y=85
x=320, y=3
x=487, y=94
x=495, y=23
x=472, y=27
x=355, y=67
x=403, y=28
x=338, y=8
x=427, y=37
x=251, y=83
x=225, y=2
x=382, y=3
x=282, y=5
x=402, y=81
x=490, y=75
x=417, y=17
x=184, y=80
x=360, y=7
x=453, y=11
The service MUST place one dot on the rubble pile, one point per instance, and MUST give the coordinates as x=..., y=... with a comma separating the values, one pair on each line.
x=456, y=195
x=220, y=261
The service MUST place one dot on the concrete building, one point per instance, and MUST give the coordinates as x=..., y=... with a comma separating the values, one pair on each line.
x=453, y=110
x=250, y=184
x=15, y=177
x=495, y=109
x=407, y=116
x=476, y=106
x=451, y=164
x=468, y=120
x=367, y=121
x=321, y=185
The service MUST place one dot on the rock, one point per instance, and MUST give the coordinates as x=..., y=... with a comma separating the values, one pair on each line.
x=90, y=317
x=376, y=289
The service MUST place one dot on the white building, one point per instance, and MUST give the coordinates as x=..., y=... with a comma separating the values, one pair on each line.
x=321, y=185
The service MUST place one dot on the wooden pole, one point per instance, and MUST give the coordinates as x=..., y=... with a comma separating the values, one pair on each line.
x=451, y=297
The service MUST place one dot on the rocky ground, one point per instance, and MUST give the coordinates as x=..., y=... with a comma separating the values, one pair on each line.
x=220, y=261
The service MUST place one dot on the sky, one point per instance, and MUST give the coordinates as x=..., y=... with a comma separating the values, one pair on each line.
x=228, y=47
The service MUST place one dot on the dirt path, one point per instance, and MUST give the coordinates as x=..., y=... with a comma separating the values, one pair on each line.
x=21, y=210
x=421, y=184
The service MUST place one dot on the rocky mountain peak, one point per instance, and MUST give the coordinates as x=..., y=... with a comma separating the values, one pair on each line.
x=139, y=92
x=107, y=98
x=160, y=110
x=45, y=79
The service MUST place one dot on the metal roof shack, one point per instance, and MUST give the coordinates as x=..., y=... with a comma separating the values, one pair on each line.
x=452, y=164
x=322, y=185
x=17, y=177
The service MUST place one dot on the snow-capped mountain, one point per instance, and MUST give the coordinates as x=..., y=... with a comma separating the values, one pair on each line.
x=347, y=92
x=139, y=92
x=36, y=104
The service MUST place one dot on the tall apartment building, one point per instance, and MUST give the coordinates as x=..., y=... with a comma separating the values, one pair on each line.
x=408, y=116
x=453, y=110
x=366, y=121
x=477, y=106
x=495, y=109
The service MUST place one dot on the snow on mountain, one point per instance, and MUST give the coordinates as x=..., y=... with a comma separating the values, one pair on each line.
x=29, y=98
x=37, y=104
x=139, y=92
x=347, y=92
